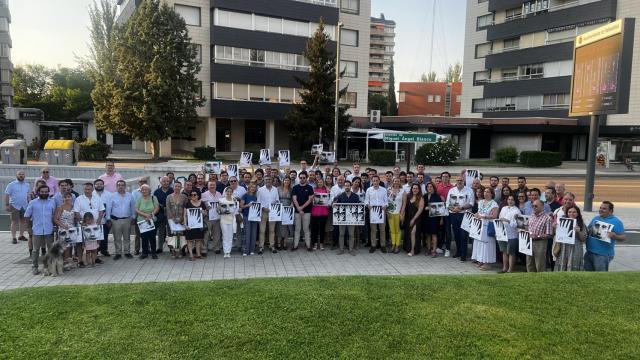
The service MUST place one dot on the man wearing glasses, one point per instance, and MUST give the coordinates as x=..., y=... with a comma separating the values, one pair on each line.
x=459, y=199
x=87, y=202
x=52, y=182
x=540, y=229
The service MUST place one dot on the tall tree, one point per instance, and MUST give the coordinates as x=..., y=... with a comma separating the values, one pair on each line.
x=155, y=92
x=454, y=73
x=31, y=83
x=393, y=104
x=379, y=102
x=318, y=93
x=429, y=77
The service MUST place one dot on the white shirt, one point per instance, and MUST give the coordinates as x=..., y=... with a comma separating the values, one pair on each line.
x=335, y=192
x=376, y=197
x=209, y=198
x=239, y=192
x=351, y=176
x=509, y=213
x=104, y=197
x=267, y=197
x=84, y=205
x=466, y=193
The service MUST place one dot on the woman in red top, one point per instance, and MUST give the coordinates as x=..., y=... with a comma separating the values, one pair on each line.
x=319, y=214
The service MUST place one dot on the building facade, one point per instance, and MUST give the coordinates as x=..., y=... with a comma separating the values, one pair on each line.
x=431, y=99
x=518, y=62
x=6, y=66
x=251, y=53
x=383, y=33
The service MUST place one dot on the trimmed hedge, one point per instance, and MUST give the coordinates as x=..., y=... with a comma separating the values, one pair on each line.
x=540, y=159
x=508, y=155
x=382, y=157
x=92, y=150
x=443, y=152
x=204, y=153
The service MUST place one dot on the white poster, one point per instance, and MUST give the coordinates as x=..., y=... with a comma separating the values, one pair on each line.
x=255, y=212
x=212, y=167
x=475, y=229
x=328, y=157
x=457, y=200
x=175, y=227
x=213, y=210
x=348, y=214
x=466, y=221
x=471, y=175
x=146, y=226
x=525, y=245
x=194, y=218
x=522, y=221
x=601, y=230
x=92, y=232
x=376, y=215
x=284, y=158
x=321, y=199
x=288, y=215
x=265, y=157
x=437, y=209
x=232, y=170
x=71, y=235
x=565, y=231
x=316, y=149
x=501, y=230
x=245, y=159
x=275, y=212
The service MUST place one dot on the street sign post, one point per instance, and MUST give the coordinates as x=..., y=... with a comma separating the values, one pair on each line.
x=410, y=138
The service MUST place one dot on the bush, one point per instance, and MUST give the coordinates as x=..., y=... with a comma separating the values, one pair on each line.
x=508, y=155
x=92, y=150
x=540, y=158
x=443, y=152
x=204, y=153
x=382, y=157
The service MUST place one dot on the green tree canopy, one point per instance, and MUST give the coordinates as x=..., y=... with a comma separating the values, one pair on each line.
x=393, y=104
x=454, y=73
x=429, y=77
x=379, y=102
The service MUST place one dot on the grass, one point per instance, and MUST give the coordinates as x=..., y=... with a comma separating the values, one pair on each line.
x=518, y=316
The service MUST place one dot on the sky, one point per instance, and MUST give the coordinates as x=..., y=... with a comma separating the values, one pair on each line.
x=55, y=32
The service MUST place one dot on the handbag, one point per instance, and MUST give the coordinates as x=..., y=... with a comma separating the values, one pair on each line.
x=491, y=229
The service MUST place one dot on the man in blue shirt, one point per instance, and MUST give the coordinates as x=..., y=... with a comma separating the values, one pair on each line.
x=528, y=206
x=41, y=211
x=16, y=199
x=120, y=214
x=601, y=243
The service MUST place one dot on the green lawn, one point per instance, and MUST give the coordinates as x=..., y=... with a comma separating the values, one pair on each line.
x=518, y=316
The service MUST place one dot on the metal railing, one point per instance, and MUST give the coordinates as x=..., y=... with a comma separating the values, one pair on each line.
x=262, y=64
x=331, y=3
x=548, y=9
x=503, y=50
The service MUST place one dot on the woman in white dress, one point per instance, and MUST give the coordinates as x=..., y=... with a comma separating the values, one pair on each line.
x=508, y=217
x=484, y=250
x=227, y=208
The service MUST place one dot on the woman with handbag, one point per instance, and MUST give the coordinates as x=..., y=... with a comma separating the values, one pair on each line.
x=484, y=250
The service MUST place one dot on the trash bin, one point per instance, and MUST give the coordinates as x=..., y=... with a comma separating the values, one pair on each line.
x=14, y=151
x=61, y=152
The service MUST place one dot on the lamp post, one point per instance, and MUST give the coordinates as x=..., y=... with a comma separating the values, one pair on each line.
x=337, y=97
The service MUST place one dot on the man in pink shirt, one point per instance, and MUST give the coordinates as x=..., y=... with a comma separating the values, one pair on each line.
x=445, y=235
x=52, y=182
x=111, y=177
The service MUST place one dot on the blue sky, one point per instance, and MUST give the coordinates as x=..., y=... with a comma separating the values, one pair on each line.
x=53, y=32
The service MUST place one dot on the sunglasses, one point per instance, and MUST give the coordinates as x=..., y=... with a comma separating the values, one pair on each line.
x=192, y=195
x=45, y=172
x=233, y=181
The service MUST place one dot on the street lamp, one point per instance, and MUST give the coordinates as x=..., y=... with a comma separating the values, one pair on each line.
x=337, y=99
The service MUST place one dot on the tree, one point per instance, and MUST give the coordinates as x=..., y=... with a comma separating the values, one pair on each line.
x=379, y=102
x=454, y=73
x=429, y=77
x=154, y=92
x=318, y=93
x=31, y=83
x=393, y=104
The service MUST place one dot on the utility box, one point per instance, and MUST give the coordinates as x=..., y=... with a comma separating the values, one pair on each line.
x=61, y=152
x=13, y=151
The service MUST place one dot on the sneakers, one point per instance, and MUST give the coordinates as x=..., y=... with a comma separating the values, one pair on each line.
x=35, y=271
x=439, y=251
x=447, y=253
x=98, y=261
x=260, y=252
x=244, y=254
x=384, y=249
x=227, y=255
x=274, y=251
x=117, y=257
x=128, y=255
x=14, y=241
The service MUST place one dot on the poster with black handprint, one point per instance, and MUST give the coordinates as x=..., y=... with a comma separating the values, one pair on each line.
x=255, y=212
x=275, y=212
x=245, y=159
x=348, y=214
x=466, y=221
x=265, y=157
x=232, y=170
x=470, y=175
x=376, y=215
x=194, y=218
x=525, y=245
x=565, y=231
x=475, y=229
x=501, y=230
x=284, y=158
x=288, y=214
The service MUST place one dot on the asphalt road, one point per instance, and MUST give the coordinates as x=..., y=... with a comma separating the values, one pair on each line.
x=624, y=190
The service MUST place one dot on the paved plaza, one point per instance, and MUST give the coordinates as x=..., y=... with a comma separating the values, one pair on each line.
x=15, y=268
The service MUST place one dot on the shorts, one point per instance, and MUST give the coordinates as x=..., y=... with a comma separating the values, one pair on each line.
x=503, y=245
x=17, y=214
x=512, y=247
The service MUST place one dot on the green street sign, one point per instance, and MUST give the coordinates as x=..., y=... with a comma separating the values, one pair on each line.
x=410, y=138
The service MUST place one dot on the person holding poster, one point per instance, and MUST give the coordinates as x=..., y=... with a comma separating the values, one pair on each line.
x=194, y=236
x=347, y=197
x=459, y=199
x=65, y=219
x=267, y=195
x=509, y=249
x=570, y=257
x=396, y=197
x=284, y=232
x=227, y=218
x=212, y=222
x=319, y=215
x=302, y=196
x=377, y=196
x=601, y=246
x=540, y=228
x=431, y=224
x=175, y=211
x=484, y=250
x=250, y=227
x=147, y=207
x=410, y=216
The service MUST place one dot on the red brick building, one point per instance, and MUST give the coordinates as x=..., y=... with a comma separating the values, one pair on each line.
x=434, y=98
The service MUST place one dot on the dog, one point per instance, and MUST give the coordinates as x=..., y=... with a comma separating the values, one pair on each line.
x=53, y=261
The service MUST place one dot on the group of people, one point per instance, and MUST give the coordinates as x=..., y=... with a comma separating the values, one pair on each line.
x=405, y=201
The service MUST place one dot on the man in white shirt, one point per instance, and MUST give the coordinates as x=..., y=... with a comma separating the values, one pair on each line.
x=104, y=196
x=377, y=196
x=459, y=199
x=267, y=195
x=87, y=202
x=214, y=233
x=355, y=173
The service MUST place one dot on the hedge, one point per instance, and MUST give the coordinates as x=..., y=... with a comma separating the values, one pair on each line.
x=204, y=153
x=508, y=155
x=540, y=158
x=443, y=152
x=382, y=157
x=92, y=150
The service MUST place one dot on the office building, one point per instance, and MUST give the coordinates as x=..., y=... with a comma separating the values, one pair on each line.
x=6, y=66
x=251, y=52
x=430, y=98
x=383, y=33
x=518, y=62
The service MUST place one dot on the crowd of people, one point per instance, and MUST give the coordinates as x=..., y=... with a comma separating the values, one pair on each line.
x=224, y=202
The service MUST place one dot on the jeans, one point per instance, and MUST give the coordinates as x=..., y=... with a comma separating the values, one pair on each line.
x=318, y=225
x=459, y=234
x=302, y=226
x=148, y=242
x=595, y=262
x=250, y=234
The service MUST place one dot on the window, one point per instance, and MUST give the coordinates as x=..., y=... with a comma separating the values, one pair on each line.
x=635, y=148
x=254, y=132
x=536, y=6
x=5, y=50
x=350, y=99
x=240, y=20
x=349, y=37
x=5, y=75
x=199, y=90
x=513, y=14
x=438, y=98
x=256, y=92
x=558, y=68
x=482, y=50
x=271, y=94
x=349, y=68
x=531, y=71
x=240, y=92
x=261, y=23
x=287, y=95
x=458, y=98
x=560, y=36
x=430, y=98
x=275, y=25
x=298, y=99
x=481, y=77
x=510, y=44
x=289, y=27
x=484, y=21
x=401, y=96
x=224, y=91
x=4, y=24
x=478, y=105
x=198, y=53
x=555, y=101
x=190, y=14
x=509, y=74
x=350, y=6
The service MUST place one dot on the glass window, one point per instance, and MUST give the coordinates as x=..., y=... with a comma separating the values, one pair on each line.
x=438, y=98
x=350, y=6
x=198, y=53
x=401, y=96
x=190, y=14
x=240, y=20
x=511, y=43
x=5, y=51
x=430, y=98
x=350, y=99
x=522, y=103
x=514, y=13
x=349, y=37
x=509, y=74
x=228, y=52
x=302, y=28
x=481, y=77
x=484, y=21
x=224, y=91
x=535, y=102
x=482, y=50
x=271, y=94
x=261, y=23
x=286, y=95
x=458, y=98
x=4, y=24
x=272, y=59
x=290, y=27
x=478, y=105
x=349, y=68
x=275, y=25
x=5, y=75
x=256, y=92
x=240, y=92
x=329, y=30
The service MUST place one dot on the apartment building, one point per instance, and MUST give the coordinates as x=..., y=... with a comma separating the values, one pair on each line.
x=518, y=63
x=6, y=66
x=383, y=33
x=430, y=99
x=252, y=52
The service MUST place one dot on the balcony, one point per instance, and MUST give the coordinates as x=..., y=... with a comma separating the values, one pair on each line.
x=532, y=86
x=546, y=53
x=331, y=3
x=376, y=51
